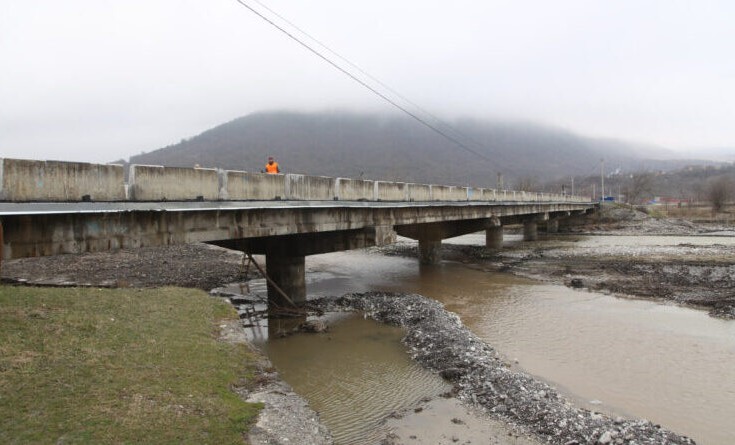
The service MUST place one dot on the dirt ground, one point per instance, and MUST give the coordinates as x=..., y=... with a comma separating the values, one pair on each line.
x=190, y=265
x=700, y=276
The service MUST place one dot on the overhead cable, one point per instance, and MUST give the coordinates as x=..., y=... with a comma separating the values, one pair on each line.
x=358, y=80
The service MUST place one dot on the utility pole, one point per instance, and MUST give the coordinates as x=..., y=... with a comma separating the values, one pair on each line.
x=572, y=185
x=500, y=181
x=602, y=179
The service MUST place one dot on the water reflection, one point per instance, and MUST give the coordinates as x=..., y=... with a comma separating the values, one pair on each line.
x=354, y=376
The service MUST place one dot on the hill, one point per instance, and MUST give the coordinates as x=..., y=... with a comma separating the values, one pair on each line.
x=397, y=148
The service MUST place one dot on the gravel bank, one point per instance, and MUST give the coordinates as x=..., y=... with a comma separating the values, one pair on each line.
x=438, y=340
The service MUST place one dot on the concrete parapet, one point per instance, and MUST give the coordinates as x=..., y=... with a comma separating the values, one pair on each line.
x=489, y=195
x=157, y=183
x=355, y=189
x=27, y=180
x=448, y=193
x=475, y=194
x=254, y=186
x=391, y=191
x=419, y=192
x=461, y=193
x=310, y=188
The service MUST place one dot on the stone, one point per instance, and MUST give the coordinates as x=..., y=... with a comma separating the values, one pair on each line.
x=605, y=438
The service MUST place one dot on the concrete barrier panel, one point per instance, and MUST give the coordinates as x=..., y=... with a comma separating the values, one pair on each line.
x=255, y=186
x=310, y=188
x=157, y=183
x=448, y=193
x=419, y=192
x=489, y=195
x=355, y=189
x=391, y=191
x=475, y=194
x=28, y=180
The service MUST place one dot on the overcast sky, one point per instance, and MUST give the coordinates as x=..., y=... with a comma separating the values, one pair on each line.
x=99, y=80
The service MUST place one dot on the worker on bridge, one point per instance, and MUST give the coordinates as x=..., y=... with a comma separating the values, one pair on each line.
x=272, y=166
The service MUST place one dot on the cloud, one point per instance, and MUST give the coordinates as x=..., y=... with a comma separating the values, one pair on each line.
x=99, y=80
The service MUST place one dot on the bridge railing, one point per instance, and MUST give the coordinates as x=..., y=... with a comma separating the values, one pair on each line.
x=57, y=181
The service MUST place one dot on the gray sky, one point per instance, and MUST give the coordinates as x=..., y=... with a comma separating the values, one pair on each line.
x=98, y=80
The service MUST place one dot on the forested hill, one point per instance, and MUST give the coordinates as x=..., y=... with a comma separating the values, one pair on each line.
x=398, y=148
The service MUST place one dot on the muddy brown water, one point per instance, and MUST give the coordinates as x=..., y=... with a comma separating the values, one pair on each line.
x=674, y=366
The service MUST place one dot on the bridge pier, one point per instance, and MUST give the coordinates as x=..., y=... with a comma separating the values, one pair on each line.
x=288, y=272
x=430, y=250
x=285, y=256
x=494, y=235
x=530, y=230
x=552, y=225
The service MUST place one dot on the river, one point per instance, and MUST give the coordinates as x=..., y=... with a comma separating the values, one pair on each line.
x=672, y=365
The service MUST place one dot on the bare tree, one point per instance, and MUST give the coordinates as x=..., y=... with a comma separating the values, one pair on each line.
x=719, y=192
x=639, y=185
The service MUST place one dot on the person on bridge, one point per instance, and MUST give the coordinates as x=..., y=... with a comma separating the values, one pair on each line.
x=272, y=166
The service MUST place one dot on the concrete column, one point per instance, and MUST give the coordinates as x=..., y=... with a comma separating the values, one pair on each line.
x=430, y=250
x=494, y=238
x=288, y=272
x=530, y=231
x=552, y=225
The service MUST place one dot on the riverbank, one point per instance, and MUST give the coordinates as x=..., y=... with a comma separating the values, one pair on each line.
x=284, y=416
x=699, y=275
x=97, y=365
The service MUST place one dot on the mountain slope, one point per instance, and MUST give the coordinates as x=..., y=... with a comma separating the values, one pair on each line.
x=398, y=148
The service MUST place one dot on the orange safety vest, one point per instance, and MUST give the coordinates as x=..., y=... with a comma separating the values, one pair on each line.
x=271, y=168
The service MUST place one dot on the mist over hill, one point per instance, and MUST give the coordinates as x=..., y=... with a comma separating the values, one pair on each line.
x=397, y=148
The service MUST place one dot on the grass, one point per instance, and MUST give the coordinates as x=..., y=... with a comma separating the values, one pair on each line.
x=119, y=366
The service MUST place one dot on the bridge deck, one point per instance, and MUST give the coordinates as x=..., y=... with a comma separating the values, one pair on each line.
x=50, y=208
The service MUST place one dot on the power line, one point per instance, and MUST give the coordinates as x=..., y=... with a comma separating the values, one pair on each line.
x=356, y=79
x=436, y=119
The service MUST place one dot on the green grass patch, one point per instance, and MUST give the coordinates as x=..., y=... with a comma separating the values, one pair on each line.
x=119, y=366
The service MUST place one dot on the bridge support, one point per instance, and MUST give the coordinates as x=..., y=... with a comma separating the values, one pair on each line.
x=430, y=250
x=530, y=230
x=288, y=273
x=494, y=238
x=494, y=234
x=552, y=225
x=285, y=256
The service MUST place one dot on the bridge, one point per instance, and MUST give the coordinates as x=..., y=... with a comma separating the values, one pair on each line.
x=54, y=207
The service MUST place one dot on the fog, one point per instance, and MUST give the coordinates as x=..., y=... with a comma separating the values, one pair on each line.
x=99, y=80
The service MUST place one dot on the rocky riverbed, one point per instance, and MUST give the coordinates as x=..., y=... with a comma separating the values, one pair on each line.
x=439, y=341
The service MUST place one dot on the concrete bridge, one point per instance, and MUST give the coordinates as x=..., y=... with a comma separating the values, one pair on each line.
x=52, y=207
